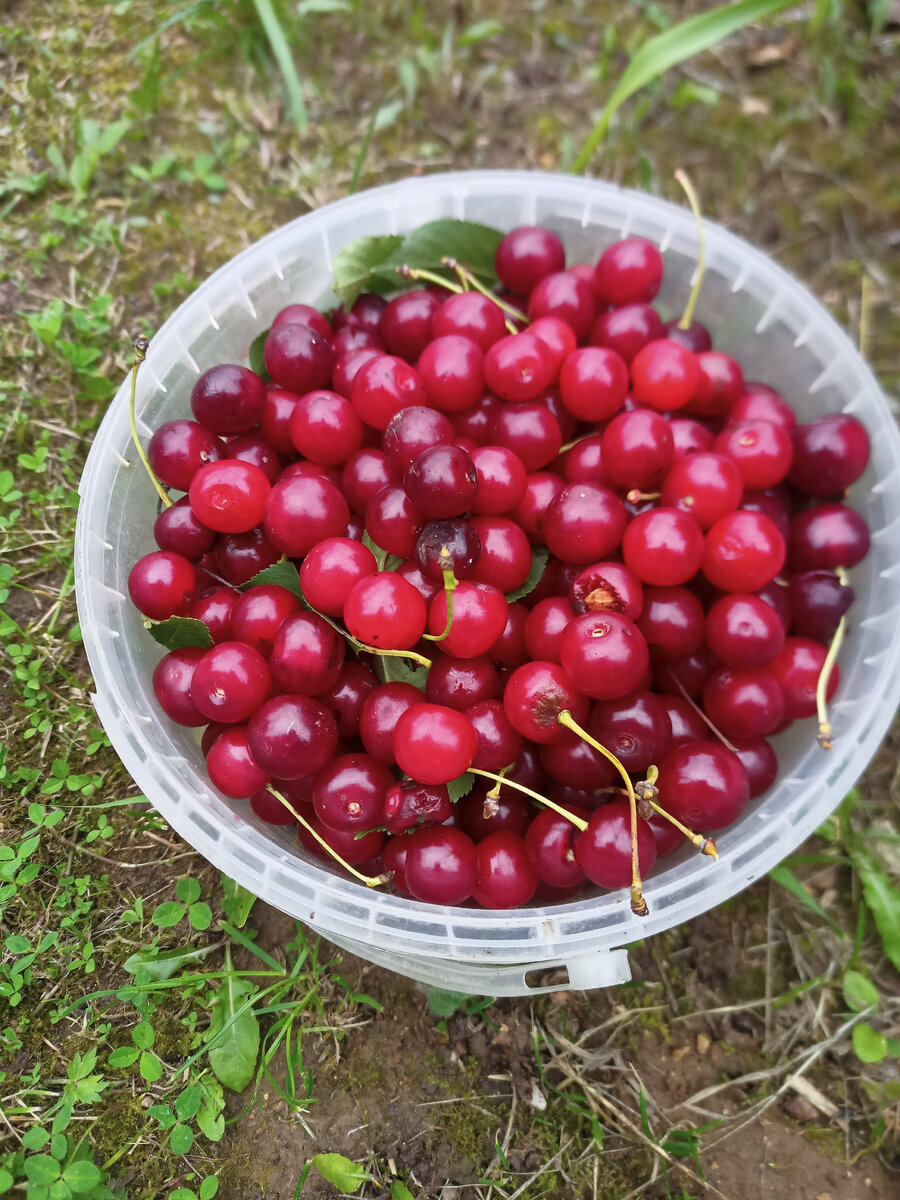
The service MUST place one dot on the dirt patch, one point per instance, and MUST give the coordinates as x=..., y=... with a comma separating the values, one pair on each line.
x=433, y=1100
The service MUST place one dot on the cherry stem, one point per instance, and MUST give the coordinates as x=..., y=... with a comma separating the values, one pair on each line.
x=575, y=442
x=704, y=844
x=141, y=346
x=825, y=731
x=420, y=274
x=684, y=180
x=451, y=583
x=865, y=315
x=706, y=721
x=365, y=649
x=638, y=903
x=520, y=787
x=494, y=793
x=635, y=496
x=472, y=281
x=369, y=880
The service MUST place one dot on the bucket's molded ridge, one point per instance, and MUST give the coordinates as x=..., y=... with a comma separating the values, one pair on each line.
x=757, y=312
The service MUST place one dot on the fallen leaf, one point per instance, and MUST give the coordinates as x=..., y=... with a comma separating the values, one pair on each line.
x=703, y=1043
x=766, y=53
x=799, y=1108
x=754, y=106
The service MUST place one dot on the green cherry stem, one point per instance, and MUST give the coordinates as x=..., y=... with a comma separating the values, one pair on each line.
x=704, y=844
x=684, y=180
x=369, y=880
x=365, y=649
x=141, y=345
x=419, y=274
x=826, y=733
x=520, y=787
x=473, y=281
x=451, y=583
x=638, y=903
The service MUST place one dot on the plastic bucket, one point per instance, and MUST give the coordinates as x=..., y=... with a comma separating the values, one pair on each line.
x=756, y=311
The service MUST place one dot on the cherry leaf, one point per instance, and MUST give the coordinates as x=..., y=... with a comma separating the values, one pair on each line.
x=257, y=357
x=180, y=632
x=461, y=786
x=281, y=574
x=356, y=266
x=539, y=556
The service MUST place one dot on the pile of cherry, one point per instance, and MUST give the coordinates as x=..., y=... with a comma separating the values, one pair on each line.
x=684, y=540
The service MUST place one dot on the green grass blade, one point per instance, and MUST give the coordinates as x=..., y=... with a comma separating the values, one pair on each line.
x=669, y=48
x=278, y=41
x=788, y=880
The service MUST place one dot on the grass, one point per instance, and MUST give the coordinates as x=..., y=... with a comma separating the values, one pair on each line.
x=145, y=150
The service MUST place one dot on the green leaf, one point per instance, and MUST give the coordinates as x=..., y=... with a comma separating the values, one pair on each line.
x=163, y=1114
x=281, y=574
x=209, y=1187
x=444, y=1003
x=341, y=1172
x=859, y=992
x=200, y=915
x=17, y=944
x=59, y=1146
x=6, y=1181
x=479, y=32
x=401, y=670
x=257, y=357
x=883, y=900
x=787, y=879
x=143, y=1035
x=111, y=136
x=82, y=1176
x=234, y=1034
x=210, y=1121
x=167, y=914
x=306, y=7
x=179, y=632
x=36, y=1138
x=539, y=556
x=81, y=1065
x=399, y=1191
x=355, y=265
x=383, y=560
x=281, y=50
x=460, y=787
x=163, y=964
x=187, y=1103
x=123, y=1056
x=150, y=1067
x=187, y=889
x=471, y=244
x=41, y=1169
x=868, y=1045
x=181, y=1139
x=236, y=902
x=669, y=48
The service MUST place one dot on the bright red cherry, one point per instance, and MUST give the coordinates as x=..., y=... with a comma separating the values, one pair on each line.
x=628, y=272
x=663, y=546
x=664, y=375
x=743, y=551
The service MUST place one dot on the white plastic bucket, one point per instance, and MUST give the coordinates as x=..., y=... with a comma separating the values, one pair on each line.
x=756, y=311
